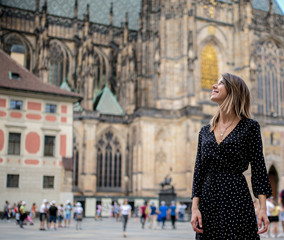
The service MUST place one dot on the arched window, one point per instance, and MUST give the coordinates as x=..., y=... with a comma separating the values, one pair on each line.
x=270, y=83
x=109, y=163
x=99, y=74
x=209, y=67
x=58, y=64
x=12, y=41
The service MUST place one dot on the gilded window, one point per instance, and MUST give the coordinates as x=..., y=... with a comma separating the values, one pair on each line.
x=209, y=67
x=270, y=83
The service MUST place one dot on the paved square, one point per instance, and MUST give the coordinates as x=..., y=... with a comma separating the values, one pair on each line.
x=108, y=229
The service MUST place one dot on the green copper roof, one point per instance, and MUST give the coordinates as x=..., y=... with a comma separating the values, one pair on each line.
x=106, y=103
x=64, y=85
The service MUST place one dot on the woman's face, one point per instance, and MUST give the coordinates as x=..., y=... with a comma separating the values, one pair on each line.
x=219, y=92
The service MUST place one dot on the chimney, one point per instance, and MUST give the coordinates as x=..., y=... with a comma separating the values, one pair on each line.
x=18, y=54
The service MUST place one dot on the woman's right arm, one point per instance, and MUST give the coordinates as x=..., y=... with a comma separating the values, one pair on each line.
x=196, y=218
x=199, y=173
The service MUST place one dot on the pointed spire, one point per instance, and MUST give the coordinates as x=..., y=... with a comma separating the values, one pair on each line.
x=111, y=14
x=270, y=7
x=44, y=8
x=76, y=9
x=126, y=20
x=37, y=5
x=87, y=15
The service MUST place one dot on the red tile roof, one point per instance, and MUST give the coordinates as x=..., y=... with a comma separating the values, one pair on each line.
x=28, y=82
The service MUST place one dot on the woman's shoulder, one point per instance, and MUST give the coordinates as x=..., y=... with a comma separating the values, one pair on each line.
x=251, y=122
x=205, y=128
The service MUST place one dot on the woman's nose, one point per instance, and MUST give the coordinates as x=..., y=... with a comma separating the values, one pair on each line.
x=214, y=86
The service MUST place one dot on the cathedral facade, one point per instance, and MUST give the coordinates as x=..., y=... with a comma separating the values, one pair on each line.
x=145, y=69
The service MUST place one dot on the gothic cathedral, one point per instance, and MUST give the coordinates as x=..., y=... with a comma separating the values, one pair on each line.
x=145, y=69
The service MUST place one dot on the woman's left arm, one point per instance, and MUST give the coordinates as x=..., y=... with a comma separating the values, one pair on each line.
x=262, y=215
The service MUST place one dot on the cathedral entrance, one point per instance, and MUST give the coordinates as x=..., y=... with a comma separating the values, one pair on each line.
x=274, y=179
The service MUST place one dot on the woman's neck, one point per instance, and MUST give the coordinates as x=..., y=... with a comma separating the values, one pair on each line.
x=226, y=117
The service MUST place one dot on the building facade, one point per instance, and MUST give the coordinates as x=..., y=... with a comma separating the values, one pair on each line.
x=36, y=132
x=145, y=69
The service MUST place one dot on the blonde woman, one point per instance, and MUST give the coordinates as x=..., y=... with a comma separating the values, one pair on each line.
x=222, y=206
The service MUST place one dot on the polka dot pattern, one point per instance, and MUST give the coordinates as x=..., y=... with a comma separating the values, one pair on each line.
x=225, y=201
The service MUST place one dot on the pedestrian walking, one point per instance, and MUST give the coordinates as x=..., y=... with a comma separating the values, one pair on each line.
x=173, y=210
x=79, y=215
x=143, y=214
x=6, y=212
x=163, y=213
x=125, y=214
x=23, y=214
x=274, y=221
x=53, y=215
x=116, y=211
x=153, y=216
x=99, y=212
x=222, y=206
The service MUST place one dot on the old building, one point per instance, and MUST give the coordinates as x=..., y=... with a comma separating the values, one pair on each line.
x=36, y=132
x=145, y=69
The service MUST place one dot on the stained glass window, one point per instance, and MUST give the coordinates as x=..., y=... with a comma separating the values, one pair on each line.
x=270, y=83
x=209, y=67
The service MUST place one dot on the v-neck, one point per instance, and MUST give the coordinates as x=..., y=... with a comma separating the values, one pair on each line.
x=227, y=135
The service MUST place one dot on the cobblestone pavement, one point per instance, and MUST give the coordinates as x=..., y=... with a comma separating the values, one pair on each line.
x=107, y=229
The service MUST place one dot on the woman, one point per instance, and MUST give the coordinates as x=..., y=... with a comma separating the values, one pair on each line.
x=222, y=207
x=125, y=213
x=79, y=215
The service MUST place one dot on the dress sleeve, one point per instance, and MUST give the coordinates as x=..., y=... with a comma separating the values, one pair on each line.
x=199, y=172
x=259, y=176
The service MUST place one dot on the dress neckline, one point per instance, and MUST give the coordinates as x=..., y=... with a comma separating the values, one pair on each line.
x=227, y=135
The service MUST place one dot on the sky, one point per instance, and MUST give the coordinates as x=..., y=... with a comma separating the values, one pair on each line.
x=281, y=4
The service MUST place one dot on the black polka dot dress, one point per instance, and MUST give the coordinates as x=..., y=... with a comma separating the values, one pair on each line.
x=225, y=201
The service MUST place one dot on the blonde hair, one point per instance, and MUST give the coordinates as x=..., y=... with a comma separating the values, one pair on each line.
x=237, y=100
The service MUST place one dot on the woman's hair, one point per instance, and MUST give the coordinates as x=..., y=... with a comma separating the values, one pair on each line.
x=237, y=100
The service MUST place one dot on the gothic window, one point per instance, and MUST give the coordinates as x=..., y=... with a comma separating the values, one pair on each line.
x=58, y=64
x=14, y=42
x=209, y=67
x=270, y=83
x=109, y=163
x=99, y=74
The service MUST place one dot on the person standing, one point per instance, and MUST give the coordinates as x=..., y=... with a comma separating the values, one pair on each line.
x=43, y=214
x=125, y=214
x=143, y=214
x=99, y=212
x=173, y=210
x=33, y=211
x=60, y=215
x=222, y=206
x=68, y=211
x=153, y=216
x=6, y=212
x=79, y=215
x=275, y=219
x=182, y=208
x=53, y=215
x=163, y=213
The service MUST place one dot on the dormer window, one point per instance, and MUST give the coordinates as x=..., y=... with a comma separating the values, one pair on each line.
x=14, y=75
